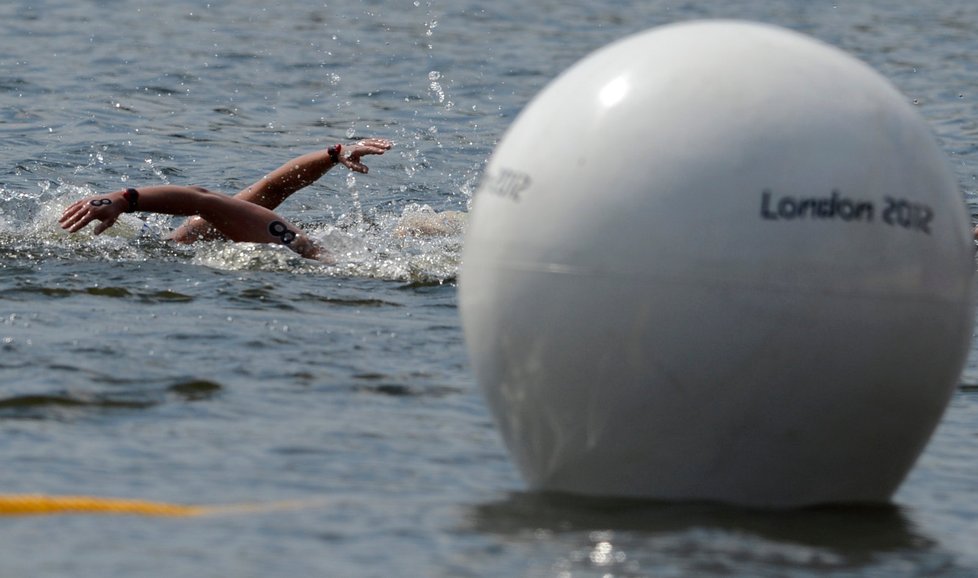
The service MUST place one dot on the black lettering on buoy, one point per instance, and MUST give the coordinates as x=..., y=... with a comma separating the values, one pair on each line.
x=826, y=208
x=507, y=183
x=833, y=206
x=765, y=206
x=908, y=215
x=846, y=210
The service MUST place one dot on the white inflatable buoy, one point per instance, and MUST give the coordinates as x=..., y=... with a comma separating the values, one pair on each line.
x=718, y=261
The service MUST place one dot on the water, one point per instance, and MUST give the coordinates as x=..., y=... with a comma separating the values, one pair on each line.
x=223, y=374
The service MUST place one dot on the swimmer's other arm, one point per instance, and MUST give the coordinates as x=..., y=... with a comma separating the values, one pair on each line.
x=238, y=220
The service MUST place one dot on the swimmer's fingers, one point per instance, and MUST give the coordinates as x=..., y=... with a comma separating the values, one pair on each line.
x=376, y=144
x=371, y=146
x=354, y=165
x=83, y=212
x=75, y=217
x=77, y=223
x=75, y=209
x=68, y=214
x=105, y=224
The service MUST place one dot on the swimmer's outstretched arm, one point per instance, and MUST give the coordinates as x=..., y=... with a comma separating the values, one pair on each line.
x=300, y=172
x=304, y=170
x=236, y=219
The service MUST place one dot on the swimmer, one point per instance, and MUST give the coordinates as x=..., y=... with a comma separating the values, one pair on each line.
x=246, y=217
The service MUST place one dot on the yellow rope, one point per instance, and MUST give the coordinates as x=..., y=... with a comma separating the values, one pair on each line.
x=41, y=504
x=37, y=504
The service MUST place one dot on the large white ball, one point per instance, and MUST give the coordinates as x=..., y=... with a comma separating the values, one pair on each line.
x=718, y=261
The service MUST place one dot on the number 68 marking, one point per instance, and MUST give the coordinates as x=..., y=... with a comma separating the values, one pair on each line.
x=278, y=229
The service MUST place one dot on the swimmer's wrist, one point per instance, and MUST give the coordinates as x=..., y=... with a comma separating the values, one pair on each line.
x=334, y=153
x=131, y=197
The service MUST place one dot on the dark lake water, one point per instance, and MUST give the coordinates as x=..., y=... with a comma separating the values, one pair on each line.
x=224, y=374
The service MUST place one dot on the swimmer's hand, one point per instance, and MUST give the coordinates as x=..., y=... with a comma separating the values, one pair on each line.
x=104, y=208
x=350, y=154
